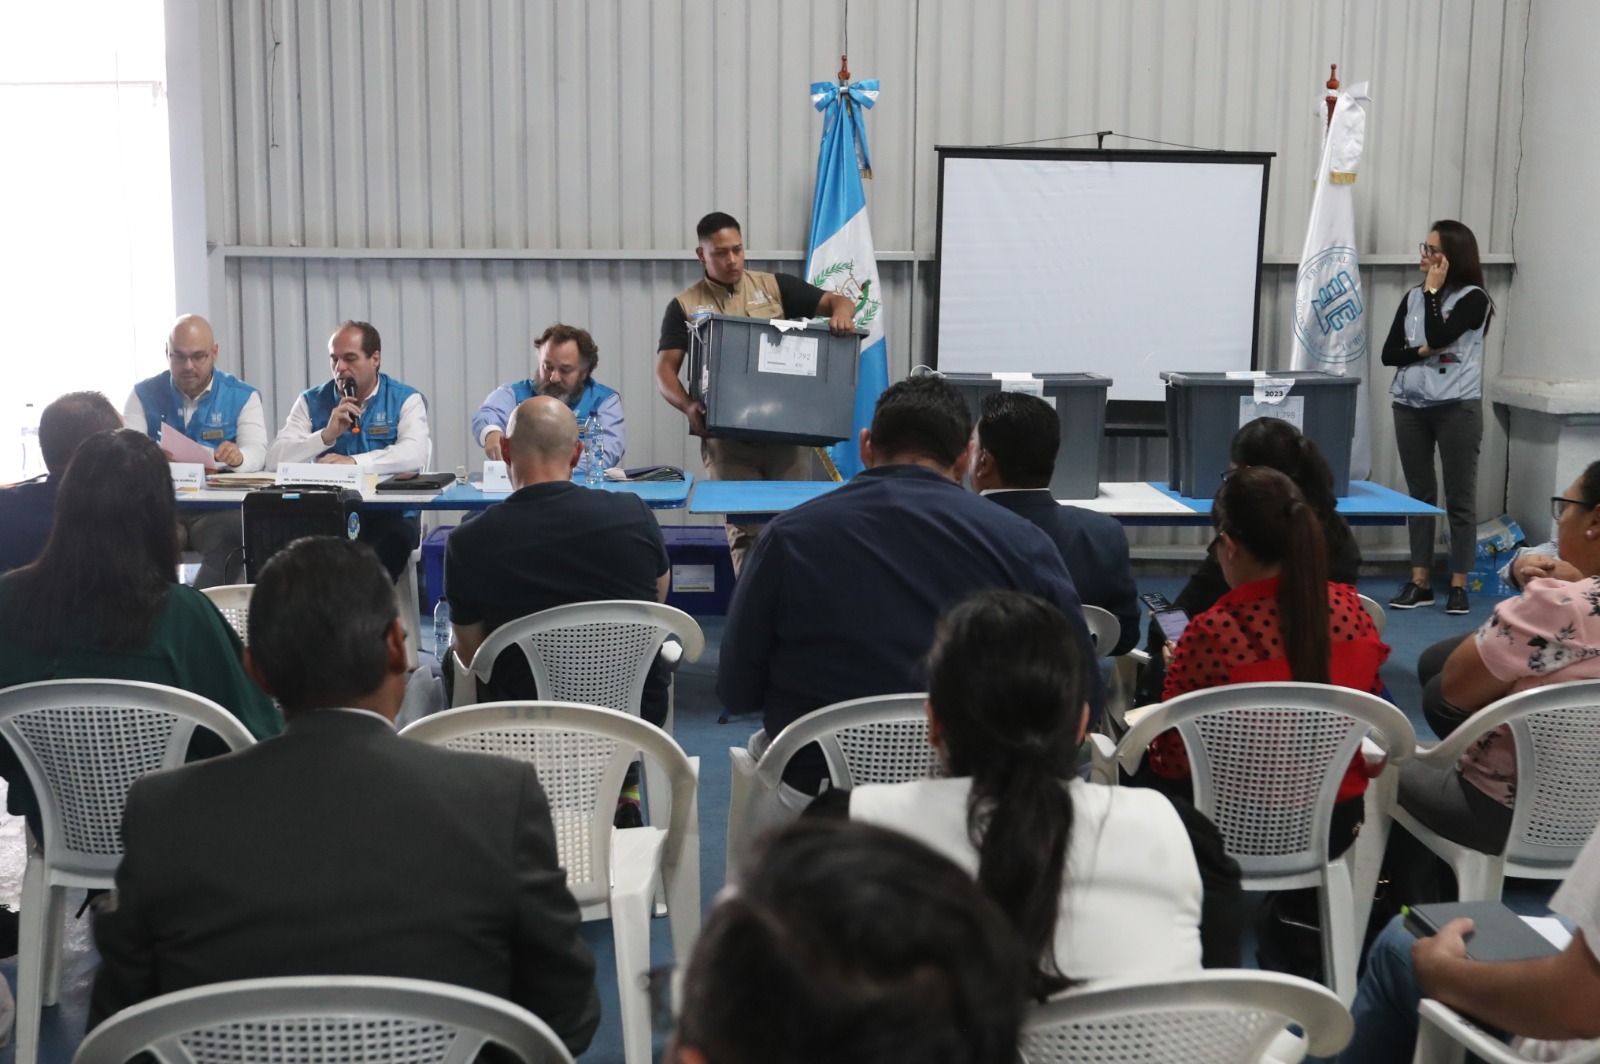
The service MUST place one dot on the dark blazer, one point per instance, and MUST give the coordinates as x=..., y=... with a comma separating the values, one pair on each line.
x=1095, y=548
x=339, y=848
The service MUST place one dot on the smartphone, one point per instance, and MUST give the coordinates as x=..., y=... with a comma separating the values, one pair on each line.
x=1172, y=622
x=1155, y=602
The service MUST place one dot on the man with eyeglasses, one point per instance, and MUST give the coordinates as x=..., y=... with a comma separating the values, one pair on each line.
x=565, y=371
x=214, y=409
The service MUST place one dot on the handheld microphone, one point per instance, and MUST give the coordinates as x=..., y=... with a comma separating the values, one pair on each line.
x=349, y=386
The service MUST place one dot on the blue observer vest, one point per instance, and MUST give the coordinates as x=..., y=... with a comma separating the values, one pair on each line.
x=380, y=422
x=216, y=418
x=594, y=393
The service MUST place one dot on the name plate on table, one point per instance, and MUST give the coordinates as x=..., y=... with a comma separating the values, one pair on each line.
x=188, y=476
x=327, y=476
x=495, y=477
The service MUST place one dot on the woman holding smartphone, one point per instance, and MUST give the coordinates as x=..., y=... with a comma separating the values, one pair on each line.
x=1436, y=345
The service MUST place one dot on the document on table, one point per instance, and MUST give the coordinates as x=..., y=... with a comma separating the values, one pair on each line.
x=180, y=448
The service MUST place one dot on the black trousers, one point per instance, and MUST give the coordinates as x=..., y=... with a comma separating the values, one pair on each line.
x=393, y=536
x=1455, y=430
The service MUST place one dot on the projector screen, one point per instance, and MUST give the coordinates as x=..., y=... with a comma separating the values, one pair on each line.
x=1124, y=263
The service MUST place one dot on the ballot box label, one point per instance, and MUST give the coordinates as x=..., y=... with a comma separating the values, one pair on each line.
x=794, y=355
x=1288, y=408
x=694, y=578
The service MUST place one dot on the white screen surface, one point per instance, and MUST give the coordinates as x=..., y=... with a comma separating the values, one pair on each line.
x=1123, y=268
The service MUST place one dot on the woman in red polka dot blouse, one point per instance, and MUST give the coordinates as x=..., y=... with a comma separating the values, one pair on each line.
x=1281, y=620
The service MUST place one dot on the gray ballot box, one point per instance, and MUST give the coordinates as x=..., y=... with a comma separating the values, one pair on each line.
x=762, y=383
x=1204, y=410
x=1080, y=402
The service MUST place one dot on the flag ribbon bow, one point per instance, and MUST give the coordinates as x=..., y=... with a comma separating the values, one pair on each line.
x=836, y=99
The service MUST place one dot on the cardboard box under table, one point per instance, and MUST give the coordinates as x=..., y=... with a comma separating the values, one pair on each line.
x=781, y=386
x=1204, y=410
x=1080, y=402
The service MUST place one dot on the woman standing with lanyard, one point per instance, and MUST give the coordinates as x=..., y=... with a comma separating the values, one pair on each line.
x=1436, y=342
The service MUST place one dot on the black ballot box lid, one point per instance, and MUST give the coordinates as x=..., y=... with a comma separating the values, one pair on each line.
x=763, y=383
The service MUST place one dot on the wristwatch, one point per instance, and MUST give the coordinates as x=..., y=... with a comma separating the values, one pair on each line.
x=1431, y=291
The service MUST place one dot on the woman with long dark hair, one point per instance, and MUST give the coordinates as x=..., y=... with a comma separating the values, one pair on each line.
x=1283, y=619
x=1276, y=444
x=1436, y=345
x=103, y=601
x=1099, y=881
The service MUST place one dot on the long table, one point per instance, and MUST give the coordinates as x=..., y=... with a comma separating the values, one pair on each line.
x=1131, y=502
x=658, y=495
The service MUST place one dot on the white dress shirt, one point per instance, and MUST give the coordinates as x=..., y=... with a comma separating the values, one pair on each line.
x=297, y=441
x=252, y=435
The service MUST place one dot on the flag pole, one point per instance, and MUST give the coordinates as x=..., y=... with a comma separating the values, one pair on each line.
x=1332, y=99
x=830, y=470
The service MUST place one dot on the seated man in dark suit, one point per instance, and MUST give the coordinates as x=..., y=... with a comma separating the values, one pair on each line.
x=339, y=848
x=1017, y=439
x=26, y=509
x=840, y=595
x=552, y=543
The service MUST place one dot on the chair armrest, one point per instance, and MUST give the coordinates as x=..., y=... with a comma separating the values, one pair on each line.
x=1447, y=1022
x=1103, y=760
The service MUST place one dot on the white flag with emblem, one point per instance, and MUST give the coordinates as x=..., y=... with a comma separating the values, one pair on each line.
x=1330, y=312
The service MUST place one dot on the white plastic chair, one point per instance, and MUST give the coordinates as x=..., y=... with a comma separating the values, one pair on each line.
x=581, y=753
x=1215, y=1017
x=882, y=739
x=341, y=1019
x=1444, y=1036
x=1266, y=761
x=233, y=600
x=593, y=653
x=1380, y=620
x=1556, y=730
x=1104, y=629
x=82, y=744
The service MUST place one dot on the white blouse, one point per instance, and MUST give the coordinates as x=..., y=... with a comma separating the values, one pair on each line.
x=1130, y=903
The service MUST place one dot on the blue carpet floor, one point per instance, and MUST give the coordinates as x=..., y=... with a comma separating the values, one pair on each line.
x=698, y=731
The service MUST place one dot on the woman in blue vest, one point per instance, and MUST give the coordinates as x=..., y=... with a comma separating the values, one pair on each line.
x=1436, y=345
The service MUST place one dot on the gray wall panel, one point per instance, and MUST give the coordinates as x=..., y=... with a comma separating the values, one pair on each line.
x=581, y=141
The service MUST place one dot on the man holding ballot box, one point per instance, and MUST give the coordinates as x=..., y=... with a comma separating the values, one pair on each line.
x=729, y=288
x=215, y=411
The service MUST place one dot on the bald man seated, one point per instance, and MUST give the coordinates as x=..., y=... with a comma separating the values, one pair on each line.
x=551, y=543
x=212, y=408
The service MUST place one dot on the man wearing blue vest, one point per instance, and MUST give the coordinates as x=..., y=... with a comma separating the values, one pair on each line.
x=567, y=358
x=383, y=428
x=212, y=408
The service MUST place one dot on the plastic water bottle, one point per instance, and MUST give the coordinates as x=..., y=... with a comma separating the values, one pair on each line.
x=592, y=457
x=441, y=634
x=32, y=457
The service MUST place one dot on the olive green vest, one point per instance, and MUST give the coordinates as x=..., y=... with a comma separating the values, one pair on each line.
x=755, y=296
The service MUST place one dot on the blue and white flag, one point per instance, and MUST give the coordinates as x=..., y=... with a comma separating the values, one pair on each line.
x=841, y=258
x=1330, y=312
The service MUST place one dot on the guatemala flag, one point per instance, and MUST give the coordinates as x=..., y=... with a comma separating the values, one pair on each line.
x=841, y=257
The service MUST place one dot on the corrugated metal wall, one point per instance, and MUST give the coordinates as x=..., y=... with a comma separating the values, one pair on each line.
x=464, y=173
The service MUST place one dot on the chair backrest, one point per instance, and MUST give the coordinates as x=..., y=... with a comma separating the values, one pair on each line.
x=1380, y=620
x=1556, y=730
x=581, y=753
x=84, y=742
x=1217, y=1016
x=882, y=739
x=321, y=1020
x=234, y=602
x=1104, y=629
x=1267, y=760
x=592, y=653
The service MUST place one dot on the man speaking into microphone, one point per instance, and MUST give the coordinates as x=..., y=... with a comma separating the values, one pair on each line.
x=364, y=417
